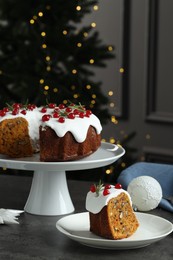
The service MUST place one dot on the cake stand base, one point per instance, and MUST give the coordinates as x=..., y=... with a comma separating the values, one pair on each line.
x=49, y=194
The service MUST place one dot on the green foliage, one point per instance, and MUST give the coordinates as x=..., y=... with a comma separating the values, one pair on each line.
x=23, y=59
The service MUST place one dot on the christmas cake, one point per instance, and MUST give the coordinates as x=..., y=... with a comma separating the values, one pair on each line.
x=60, y=133
x=110, y=212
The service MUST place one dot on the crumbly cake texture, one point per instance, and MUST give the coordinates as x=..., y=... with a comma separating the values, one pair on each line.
x=59, y=132
x=14, y=137
x=110, y=212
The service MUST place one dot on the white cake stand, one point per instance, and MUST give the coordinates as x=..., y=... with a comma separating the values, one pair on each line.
x=49, y=194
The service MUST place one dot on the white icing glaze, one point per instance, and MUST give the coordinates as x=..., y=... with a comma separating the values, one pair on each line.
x=77, y=126
x=94, y=203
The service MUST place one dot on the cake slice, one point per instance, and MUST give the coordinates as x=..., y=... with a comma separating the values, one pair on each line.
x=110, y=212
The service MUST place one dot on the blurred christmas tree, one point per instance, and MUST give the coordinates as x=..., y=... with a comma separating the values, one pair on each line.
x=46, y=53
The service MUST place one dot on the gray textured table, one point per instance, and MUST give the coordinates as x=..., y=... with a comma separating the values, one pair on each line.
x=36, y=237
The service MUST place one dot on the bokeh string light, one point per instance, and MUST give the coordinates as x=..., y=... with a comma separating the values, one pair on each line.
x=37, y=20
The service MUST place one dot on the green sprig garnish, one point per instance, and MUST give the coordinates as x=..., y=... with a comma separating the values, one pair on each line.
x=79, y=107
x=98, y=187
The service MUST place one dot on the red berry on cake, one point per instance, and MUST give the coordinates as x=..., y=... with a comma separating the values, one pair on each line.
x=43, y=110
x=46, y=118
x=15, y=111
x=31, y=107
x=2, y=113
x=6, y=109
x=88, y=113
x=16, y=105
x=23, y=112
x=93, y=188
x=106, y=192
x=56, y=115
x=51, y=105
x=76, y=111
x=68, y=109
x=71, y=116
x=61, y=106
x=61, y=119
x=118, y=186
x=107, y=186
x=81, y=114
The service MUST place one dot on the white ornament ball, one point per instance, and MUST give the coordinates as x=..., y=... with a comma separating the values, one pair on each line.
x=145, y=192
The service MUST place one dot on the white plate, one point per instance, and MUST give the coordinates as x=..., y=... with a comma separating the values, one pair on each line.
x=152, y=228
x=105, y=155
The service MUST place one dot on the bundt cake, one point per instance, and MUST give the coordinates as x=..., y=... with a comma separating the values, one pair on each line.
x=110, y=212
x=60, y=133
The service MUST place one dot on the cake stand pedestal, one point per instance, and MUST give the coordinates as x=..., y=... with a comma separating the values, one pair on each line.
x=49, y=194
